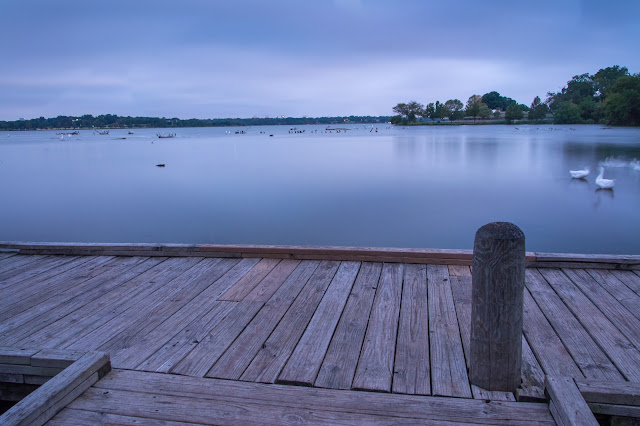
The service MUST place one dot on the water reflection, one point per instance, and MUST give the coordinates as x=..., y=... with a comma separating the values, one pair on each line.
x=415, y=187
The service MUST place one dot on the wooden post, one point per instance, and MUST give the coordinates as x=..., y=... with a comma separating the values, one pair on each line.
x=496, y=307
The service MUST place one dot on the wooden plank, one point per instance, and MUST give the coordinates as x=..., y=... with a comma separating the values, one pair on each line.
x=114, y=321
x=265, y=289
x=609, y=392
x=68, y=300
x=275, y=351
x=586, y=353
x=411, y=372
x=51, y=397
x=341, y=359
x=56, y=358
x=12, y=355
x=545, y=343
x=236, y=359
x=37, y=292
x=632, y=412
x=248, y=282
x=617, y=288
x=306, y=359
x=375, y=367
x=176, y=348
x=532, y=387
x=69, y=416
x=373, y=403
x=618, y=348
x=207, y=352
x=630, y=279
x=43, y=270
x=571, y=408
x=448, y=368
x=28, y=369
x=179, y=303
x=19, y=264
x=64, y=330
x=139, y=346
x=620, y=316
x=461, y=291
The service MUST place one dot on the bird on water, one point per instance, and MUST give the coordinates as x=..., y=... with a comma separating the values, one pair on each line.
x=579, y=174
x=602, y=182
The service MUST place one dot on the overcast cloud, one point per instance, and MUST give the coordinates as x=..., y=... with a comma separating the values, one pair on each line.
x=213, y=59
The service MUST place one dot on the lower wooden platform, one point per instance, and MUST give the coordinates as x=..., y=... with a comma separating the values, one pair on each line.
x=399, y=329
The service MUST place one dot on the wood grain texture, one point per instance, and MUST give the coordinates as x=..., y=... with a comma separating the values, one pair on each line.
x=306, y=359
x=617, y=347
x=237, y=357
x=570, y=406
x=411, y=374
x=448, y=368
x=375, y=367
x=250, y=280
x=608, y=392
x=496, y=307
x=275, y=351
x=586, y=353
x=341, y=359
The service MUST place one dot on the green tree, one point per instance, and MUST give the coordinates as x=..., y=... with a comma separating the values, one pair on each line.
x=605, y=78
x=513, y=112
x=538, y=110
x=409, y=110
x=484, y=112
x=567, y=113
x=441, y=110
x=622, y=107
x=473, y=106
x=430, y=111
x=455, y=108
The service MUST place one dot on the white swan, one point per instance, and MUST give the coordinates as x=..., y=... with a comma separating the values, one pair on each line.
x=635, y=164
x=579, y=174
x=604, y=183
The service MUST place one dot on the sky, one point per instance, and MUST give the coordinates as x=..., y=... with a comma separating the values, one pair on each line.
x=245, y=58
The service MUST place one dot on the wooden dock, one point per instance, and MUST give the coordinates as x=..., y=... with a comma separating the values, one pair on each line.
x=221, y=334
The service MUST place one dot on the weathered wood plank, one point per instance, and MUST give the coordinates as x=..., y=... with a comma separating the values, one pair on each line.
x=341, y=359
x=375, y=367
x=249, y=281
x=571, y=408
x=169, y=312
x=265, y=289
x=411, y=372
x=617, y=410
x=448, y=368
x=147, y=340
x=206, y=353
x=608, y=304
x=629, y=278
x=236, y=359
x=69, y=416
x=532, y=387
x=67, y=301
x=56, y=358
x=52, y=396
x=618, y=348
x=275, y=351
x=37, y=292
x=617, y=288
x=19, y=264
x=545, y=343
x=402, y=406
x=593, y=362
x=461, y=286
x=64, y=330
x=608, y=392
x=13, y=355
x=114, y=321
x=306, y=359
x=175, y=349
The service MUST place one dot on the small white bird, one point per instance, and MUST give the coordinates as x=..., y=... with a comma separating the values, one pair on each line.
x=579, y=174
x=635, y=164
x=604, y=183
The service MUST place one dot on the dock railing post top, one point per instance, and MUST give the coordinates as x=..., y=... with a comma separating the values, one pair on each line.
x=500, y=231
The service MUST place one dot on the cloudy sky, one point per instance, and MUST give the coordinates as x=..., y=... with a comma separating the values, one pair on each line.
x=243, y=58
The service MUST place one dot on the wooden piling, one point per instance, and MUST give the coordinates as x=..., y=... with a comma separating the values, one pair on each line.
x=497, y=299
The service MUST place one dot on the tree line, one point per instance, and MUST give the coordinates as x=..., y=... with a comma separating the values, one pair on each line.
x=110, y=121
x=610, y=96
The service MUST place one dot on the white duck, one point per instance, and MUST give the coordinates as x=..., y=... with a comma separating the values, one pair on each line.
x=579, y=174
x=604, y=183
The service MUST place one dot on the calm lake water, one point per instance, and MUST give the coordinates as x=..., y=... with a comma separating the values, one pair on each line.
x=398, y=187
